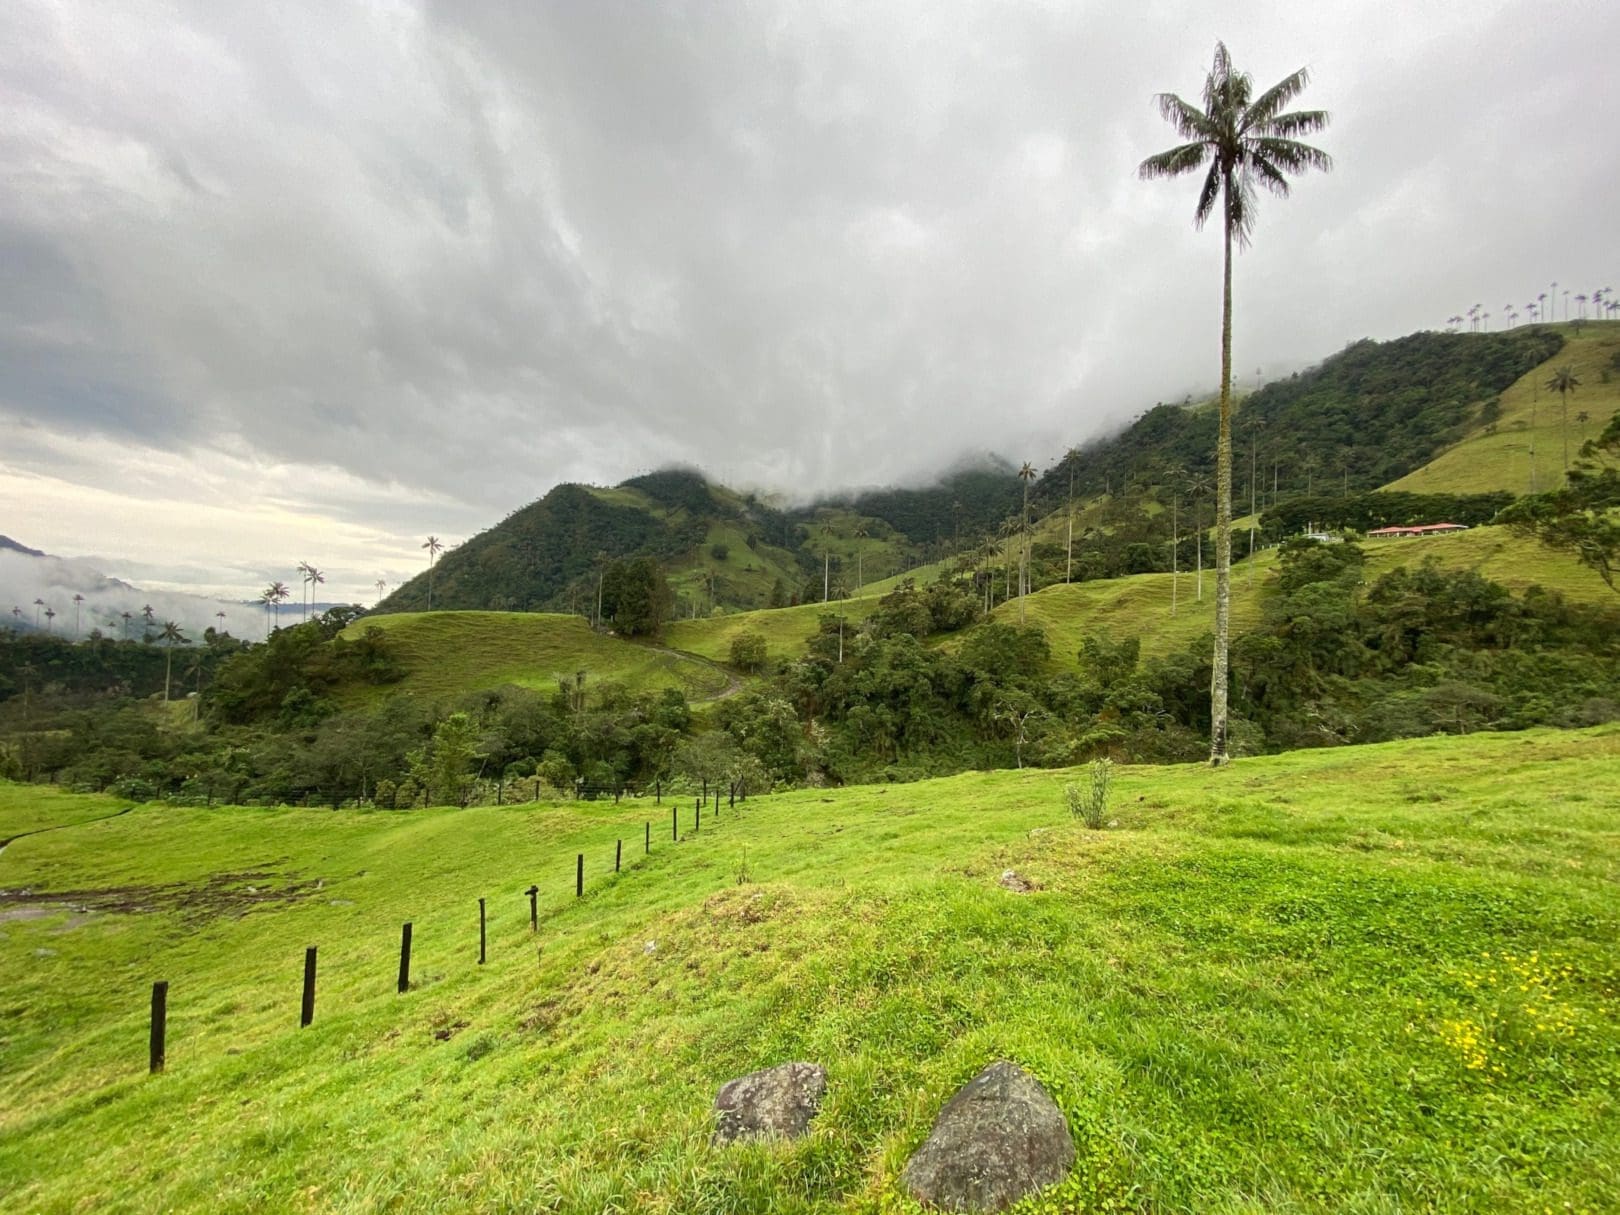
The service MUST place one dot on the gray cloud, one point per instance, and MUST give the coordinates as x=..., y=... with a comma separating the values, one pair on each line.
x=474, y=248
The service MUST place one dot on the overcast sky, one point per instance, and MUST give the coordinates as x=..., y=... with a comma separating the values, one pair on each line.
x=307, y=281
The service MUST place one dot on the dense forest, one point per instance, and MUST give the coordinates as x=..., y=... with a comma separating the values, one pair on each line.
x=1367, y=416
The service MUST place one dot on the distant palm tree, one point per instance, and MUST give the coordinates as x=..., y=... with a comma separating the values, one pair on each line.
x=148, y=615
x=77, y=600
x=1026, y=474
x=382, y=585
x=38, y=604
x=50, y=615
x=274, y=596
x=434, y=548
x=316, y=578
x=1198, y=488
x=1247, y=142
x=1563, y=383
x=220, y=630
x=860, y=545
x=126, y=617
x=1541, y=304
x=1580, y=307
x=171, y=633
x=826, y=561
x=1009, y=531
x=16, y=613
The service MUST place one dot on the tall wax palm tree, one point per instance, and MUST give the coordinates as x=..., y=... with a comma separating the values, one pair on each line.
x=274, y=596
x=171, y=633
x=826, y=561
x=50, y=615
x=127, y=617
x=316, y=578
x=1009, y=532
x=382, y=585
x=434, y=548
x=1198, y=488
x=1580, y=307
x=1026, y=474
x=1246, y=142
x=304, y=568
x=147, y=614
x=1563, y=383
x=38, y=604
x=78, y=599
x=860, y=545
x=16, y=612
x=220, y=629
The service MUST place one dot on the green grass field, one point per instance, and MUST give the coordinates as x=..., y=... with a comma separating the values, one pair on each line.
x=1482, y=461
x=448, y=653
x=1364, y=979
x=1140, y=605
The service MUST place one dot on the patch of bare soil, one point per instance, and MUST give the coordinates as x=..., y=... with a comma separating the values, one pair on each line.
x=220, y=894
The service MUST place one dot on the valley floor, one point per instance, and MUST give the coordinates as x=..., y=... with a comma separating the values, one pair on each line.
x=1368, y=979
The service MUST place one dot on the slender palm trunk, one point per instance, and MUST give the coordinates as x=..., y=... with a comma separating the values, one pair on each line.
x=1175, y=545
x=1223, y=507
x=168, y=666
x=1563, y=427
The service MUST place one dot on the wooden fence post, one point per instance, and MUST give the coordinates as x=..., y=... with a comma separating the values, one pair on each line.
x=674, y=824
x=648, y=847
x=579, y=876
x=405, y=957
x=307, y=1014
x=618, y=855
x=482, y=937
x=160, y=1025
x=534, y=908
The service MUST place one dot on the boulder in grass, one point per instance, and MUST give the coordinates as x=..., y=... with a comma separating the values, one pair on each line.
x=777, y=1103
x=1000, y=1138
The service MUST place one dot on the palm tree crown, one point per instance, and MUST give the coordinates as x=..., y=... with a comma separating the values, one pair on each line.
x=1245, y=142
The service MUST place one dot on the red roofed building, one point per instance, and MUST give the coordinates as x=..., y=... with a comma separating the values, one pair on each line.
x=1419, y=529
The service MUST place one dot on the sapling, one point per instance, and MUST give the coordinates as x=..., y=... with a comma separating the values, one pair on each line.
x=1090, y=804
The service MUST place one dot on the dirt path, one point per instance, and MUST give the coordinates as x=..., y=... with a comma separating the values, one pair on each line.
x=21, y=835
x=734, y=683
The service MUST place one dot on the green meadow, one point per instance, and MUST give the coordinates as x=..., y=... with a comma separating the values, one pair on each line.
x=1370, y=979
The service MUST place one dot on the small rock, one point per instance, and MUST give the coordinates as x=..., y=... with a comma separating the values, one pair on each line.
x=650, y=947
x=1016, y=882
x=998, y=1139
x=778, y=1102
x=44, y=953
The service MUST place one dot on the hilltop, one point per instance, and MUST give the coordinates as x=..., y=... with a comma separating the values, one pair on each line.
x=1249, y=984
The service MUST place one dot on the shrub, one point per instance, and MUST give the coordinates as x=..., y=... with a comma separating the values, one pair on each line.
x=748, y=651
x=1089, y=804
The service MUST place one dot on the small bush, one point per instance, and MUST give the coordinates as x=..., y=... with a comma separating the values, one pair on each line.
x=748, y=651
x=1089, y=803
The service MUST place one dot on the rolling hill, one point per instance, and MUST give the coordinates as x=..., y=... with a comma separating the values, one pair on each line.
x=1249, y=985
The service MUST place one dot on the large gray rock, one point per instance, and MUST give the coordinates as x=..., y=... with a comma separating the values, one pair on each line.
x=1001, y=1137
x=778, y=1102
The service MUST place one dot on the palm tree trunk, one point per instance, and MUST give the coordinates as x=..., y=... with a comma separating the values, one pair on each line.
x=1563, y=428
x=168, y=663
x=1223, y=507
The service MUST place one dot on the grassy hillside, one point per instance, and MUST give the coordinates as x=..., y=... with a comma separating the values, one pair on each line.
x=1254, y=983
x=1495, y=454
x=446, y=653
x=1140, y=605
x=785, y=629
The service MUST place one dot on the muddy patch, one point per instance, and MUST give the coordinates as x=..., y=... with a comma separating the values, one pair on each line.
x=220, y=894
